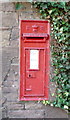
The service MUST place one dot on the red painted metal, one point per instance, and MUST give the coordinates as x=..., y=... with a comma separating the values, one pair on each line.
x=34, y=83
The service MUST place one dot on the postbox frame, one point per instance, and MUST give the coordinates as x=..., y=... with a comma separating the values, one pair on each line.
x=23, y=97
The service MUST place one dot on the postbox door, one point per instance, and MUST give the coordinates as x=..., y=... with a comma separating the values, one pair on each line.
x=34, y=72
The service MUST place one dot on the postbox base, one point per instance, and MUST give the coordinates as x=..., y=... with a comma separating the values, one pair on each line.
x=33, y=99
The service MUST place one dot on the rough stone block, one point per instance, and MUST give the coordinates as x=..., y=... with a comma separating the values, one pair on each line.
x=9, y=19
x=11, y=97
x=4, y=115
x=5, y=34
x=5, y=38
x=15, y=62
x=4, y=112
x=15, y=33
x=13, y=75
x=52, y=112
x=26, y=114
x=28, y=6
x=5, y=63
x=33, y=105
x=0, y=6
x=9, y=90
x=28, y=15
x=3, y=100
x=0, y=113
x=29, y=12
x=8, y=83
x=8, y=54
x=11, y=81
x=16, y=106
x=7, y=6
x=12, y=84
x=14, y=43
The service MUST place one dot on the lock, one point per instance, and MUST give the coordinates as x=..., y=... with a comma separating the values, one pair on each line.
x=29, y=75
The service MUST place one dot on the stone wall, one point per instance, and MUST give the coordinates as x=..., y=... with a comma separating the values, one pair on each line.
x=11, y=106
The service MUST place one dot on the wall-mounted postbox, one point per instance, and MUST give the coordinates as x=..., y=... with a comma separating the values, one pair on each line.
x=34, y=59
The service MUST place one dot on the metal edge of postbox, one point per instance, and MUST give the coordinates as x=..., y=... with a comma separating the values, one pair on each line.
x=35, y=34
x=39, y=35
x=35, y=99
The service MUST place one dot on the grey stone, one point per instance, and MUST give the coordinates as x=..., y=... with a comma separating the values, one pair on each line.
x=16, y=83
x=5, y=63
x=5, y=38
x=8, y=83
x=7, y=7
x=0, y=6
x=28, y=15
x=3, y=99
x=52, y=112
x=15, y=69
x=14, y=43
x=8, y=53
x=0, y=113
x=15, y=33
x=26, y=114
x=11, y=97
x=13, y=75
x=33, y=105
x=9, y=89
x=15, y=61
x=15, y=106
x=4, y=112
x=9, y=19
x=11, y=84
x=5, y=34
x=29, y=12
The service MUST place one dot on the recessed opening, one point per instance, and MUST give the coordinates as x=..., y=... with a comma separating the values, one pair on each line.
x=35, y=38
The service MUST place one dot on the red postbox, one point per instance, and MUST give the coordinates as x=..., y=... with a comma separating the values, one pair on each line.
x=34, y=59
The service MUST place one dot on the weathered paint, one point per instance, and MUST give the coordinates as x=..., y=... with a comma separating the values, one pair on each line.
x=34, y=83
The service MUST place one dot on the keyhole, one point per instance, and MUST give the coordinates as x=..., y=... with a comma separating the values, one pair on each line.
x=29, y=75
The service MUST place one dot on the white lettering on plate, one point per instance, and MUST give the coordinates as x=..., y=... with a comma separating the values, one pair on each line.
x=34, y=59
